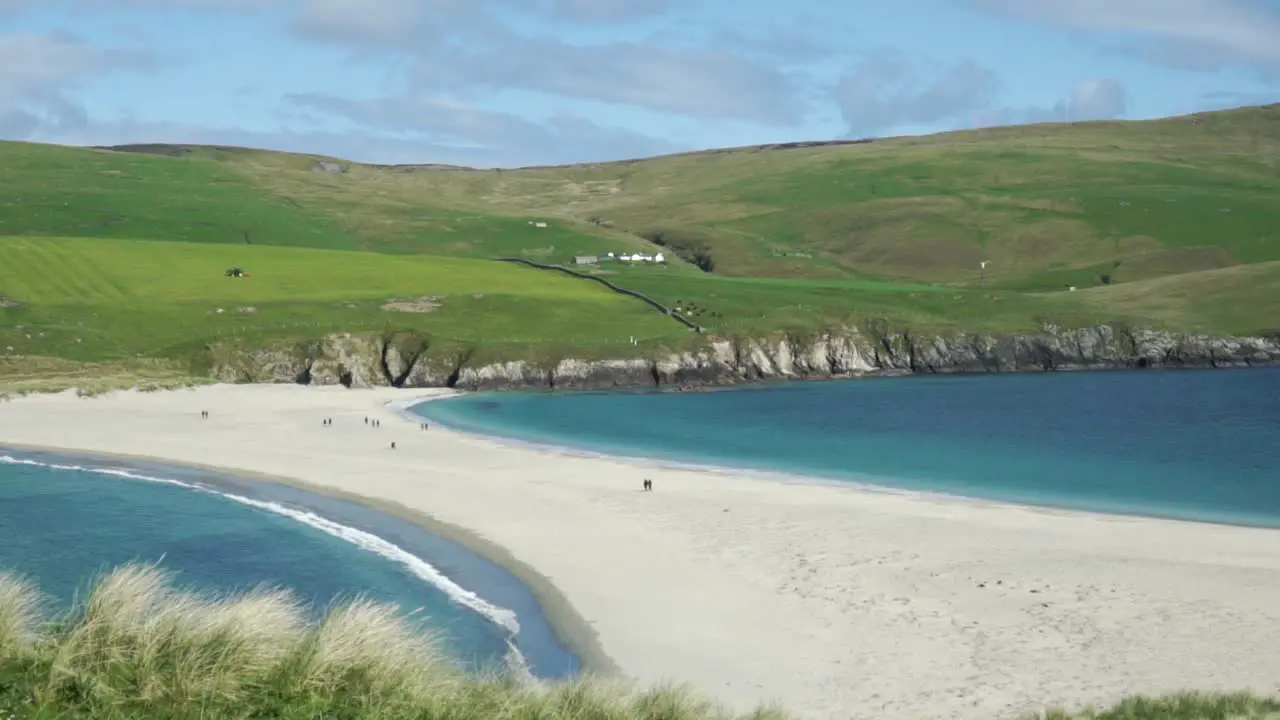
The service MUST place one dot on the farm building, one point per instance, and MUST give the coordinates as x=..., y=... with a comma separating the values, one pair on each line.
x=586, y=260
x=640, y=257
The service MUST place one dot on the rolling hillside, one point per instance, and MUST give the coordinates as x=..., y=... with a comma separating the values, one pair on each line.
x=1047, y=205
x=109, y=254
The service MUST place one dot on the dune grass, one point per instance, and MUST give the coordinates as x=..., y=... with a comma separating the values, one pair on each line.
x=1183, y=706
x=26, y=375
x=135, y=647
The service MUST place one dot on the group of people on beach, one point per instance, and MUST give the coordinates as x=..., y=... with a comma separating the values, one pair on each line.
x=374, y=422
x=648, y=485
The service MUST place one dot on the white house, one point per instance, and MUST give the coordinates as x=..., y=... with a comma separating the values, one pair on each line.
x=539, y=224
x=641, y=257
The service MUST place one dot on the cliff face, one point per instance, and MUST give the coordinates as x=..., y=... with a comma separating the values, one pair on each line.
x=406, y=361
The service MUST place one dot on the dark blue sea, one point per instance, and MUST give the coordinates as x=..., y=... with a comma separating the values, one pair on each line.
x=64, y=519
x=1193, y=445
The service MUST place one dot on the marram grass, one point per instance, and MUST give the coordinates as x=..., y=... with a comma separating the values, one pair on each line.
x=136, y=648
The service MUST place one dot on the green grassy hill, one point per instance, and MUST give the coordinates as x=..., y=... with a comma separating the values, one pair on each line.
x=1047, y=205
x=105, y=299
x=1173, y=223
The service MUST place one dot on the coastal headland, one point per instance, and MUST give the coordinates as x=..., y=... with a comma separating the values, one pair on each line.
x=275, y=281
x=1041, y=247
x=833, y=601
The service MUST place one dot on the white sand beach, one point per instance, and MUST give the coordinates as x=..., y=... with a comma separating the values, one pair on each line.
x=833, y=601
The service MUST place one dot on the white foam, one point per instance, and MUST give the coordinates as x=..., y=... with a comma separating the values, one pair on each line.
x=367, y=541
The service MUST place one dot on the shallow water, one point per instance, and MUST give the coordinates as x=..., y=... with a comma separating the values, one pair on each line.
x=1196, y=445
x=59, y=526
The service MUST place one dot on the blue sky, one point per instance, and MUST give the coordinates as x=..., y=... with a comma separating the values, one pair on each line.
x=517, y=82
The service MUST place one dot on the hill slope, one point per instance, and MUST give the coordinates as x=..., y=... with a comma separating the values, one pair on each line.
x=1047, y=205
x=1167, y=223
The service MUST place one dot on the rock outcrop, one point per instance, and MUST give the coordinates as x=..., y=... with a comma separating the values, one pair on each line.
x=406, y=360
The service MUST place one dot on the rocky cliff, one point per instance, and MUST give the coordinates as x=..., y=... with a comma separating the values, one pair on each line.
x=405, y=360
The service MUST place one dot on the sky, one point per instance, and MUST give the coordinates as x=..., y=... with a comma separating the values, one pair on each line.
x=505, y=83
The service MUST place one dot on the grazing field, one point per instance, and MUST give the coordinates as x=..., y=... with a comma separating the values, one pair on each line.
x=115, y=254
x=220, y=197
x=1244, y=299
x=1047, y=205
x=104, y=300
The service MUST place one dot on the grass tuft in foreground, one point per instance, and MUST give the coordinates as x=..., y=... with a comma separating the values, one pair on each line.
x=1185, y=706
x=135, y=647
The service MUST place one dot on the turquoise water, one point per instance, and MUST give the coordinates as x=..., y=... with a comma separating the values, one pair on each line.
x=64, y=519
x=1195, y=445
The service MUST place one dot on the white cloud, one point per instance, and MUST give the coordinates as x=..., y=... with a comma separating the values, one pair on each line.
x=1192, y=34
x=36, y=73
x=1089, y=99
x=1096, y=99
x=887, y=91
x=606, y=11
x=447, y=123
x=362, y=21
x=698, y=83
x=459, y=48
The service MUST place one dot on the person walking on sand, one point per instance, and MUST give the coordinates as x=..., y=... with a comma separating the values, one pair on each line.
x=393, y=444
x=366, y=420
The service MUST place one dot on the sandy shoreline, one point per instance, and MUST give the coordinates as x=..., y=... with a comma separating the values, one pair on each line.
x=833, y=601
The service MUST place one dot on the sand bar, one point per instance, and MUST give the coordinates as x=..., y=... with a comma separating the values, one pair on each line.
x=834, y=601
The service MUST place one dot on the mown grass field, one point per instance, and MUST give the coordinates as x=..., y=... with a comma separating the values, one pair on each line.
x=111, y=255
x=106, y=300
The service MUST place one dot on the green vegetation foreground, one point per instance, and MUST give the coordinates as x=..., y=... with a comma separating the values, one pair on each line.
x=135, y=648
